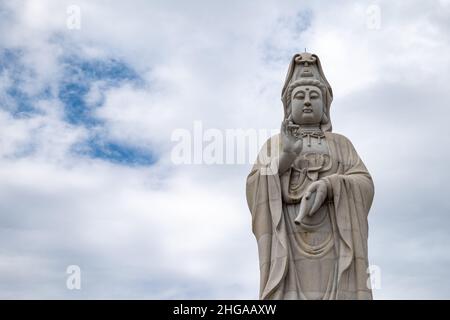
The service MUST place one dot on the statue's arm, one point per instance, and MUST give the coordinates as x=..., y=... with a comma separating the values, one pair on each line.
x=291, y=147
x=355, y=174
x=285, y=160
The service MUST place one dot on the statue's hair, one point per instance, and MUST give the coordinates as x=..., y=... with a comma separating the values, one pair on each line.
x=305, y=82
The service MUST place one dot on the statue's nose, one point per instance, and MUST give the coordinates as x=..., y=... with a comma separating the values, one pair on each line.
x=307, y=103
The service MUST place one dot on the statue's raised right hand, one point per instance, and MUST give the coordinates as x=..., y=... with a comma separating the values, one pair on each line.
x=289, y=142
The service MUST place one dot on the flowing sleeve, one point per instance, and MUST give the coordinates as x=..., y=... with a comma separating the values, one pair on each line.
x=351, y=193
x=264, y=200
x=354, y=179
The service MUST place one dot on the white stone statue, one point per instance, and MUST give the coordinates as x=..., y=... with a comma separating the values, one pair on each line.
x=309, y=194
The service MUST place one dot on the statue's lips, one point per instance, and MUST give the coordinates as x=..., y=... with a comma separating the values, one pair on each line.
x=307, y=110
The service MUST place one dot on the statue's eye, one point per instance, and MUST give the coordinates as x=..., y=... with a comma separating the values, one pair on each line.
x=313, y=95
x=300, y=95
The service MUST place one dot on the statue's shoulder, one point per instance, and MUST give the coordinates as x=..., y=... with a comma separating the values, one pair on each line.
x=337, y=137
x=341, y=142
x=271, y=143
x=275, y=139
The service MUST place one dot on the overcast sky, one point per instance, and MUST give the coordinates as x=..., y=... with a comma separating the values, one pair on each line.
x=88, y=107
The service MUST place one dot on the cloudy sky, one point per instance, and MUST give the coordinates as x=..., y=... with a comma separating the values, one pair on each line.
x=91, y=93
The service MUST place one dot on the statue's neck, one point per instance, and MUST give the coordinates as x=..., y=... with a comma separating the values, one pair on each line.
x=310, y=127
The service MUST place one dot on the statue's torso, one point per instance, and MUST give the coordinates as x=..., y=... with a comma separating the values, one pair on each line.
x=313, y=163
x=312, y=242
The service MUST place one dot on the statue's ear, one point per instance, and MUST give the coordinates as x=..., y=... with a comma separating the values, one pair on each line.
x=287, y=112
x=324, y=119
x=325, y=122
x=289, y=116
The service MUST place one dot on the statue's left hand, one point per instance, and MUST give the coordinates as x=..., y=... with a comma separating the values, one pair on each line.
x=318, y=187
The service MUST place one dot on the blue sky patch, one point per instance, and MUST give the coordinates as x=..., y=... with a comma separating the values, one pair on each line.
x=116, y=152
x=14, y=99
x=78, y=77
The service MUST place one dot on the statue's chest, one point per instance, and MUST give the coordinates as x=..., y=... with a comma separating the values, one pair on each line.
x=315, y=145
x=314, y=157
x=313, y=162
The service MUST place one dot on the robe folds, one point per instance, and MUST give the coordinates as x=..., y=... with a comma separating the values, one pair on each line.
x=336, y=265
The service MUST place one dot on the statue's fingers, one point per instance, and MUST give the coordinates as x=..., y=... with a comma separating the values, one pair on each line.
x=302, y=212
x=320, y=196
x=312, y=188
x=307, y=195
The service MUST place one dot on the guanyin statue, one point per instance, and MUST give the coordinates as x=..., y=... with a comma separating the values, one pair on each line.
x=309, y=194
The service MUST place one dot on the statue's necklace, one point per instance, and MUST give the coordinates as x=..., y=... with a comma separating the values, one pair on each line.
x=318, y=134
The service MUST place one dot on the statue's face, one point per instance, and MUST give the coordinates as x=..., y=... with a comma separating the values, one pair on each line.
x=307, y=105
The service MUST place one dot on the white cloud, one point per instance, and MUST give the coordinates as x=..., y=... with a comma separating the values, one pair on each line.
x=177, y=232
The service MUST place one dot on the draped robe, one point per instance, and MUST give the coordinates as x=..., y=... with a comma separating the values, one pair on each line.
x=327, y=260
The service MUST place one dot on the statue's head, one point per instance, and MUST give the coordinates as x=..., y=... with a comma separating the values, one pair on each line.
x=306, y=97
x=307, y=94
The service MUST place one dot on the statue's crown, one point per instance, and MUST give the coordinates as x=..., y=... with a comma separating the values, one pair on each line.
x=306, y=66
